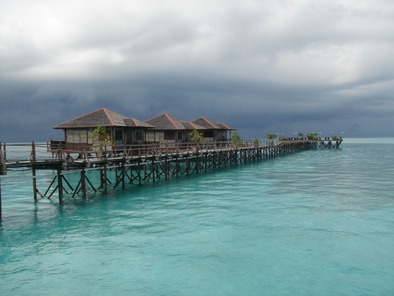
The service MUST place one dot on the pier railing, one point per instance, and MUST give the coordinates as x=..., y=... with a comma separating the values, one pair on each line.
x=58, y=150
x=90, y=151
x=137, y=163
x=24, y=154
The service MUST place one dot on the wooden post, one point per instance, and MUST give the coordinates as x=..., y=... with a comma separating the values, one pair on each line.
x=33, y=151
x=4, y=153
x=60, y=183
x=166, y=165
x=33, y=170
x=1, y=207
x=197, y=162
x=153, y=169
x=187, y=164
x=103, y=177
x=123, y=172
x=177, y=165
x=83, y=182
x=3, y=169
x=139, y=171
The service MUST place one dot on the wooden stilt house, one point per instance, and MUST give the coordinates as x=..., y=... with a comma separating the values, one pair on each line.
x=164, y=129
x=122, y=129
x=213, y=131
x=169, y=129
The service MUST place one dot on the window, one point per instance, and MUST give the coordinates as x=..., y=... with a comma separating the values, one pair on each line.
x=118, y=135
x=208, y=134
x=76, y=136
x=138, y=136
x=169, y=135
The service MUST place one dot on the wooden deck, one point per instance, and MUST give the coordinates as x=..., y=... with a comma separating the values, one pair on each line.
x=55, y=152
x=136, y=164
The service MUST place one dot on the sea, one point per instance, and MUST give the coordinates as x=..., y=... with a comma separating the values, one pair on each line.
x=316, y=222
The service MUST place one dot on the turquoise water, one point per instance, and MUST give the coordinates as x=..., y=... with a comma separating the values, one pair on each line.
x=317, y=222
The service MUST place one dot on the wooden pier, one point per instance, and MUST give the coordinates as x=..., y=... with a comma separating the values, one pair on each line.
x=136, y=164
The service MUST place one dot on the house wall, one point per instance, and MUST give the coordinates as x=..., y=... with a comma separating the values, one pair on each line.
x=217, y=135
x=221, y=136
x=154, y=136
x=129, y=136
x=135, y=135
x=120, y=135
x=78, y=136
x=169, y=136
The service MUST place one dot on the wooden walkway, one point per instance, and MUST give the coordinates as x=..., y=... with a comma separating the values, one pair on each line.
x=135, y=164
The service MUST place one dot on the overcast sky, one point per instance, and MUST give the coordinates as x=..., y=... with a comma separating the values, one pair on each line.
x=280, y=66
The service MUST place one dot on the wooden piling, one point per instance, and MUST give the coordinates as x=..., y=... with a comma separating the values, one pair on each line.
x=153, y=169
x=33, y=170
x=150, y=165
x=123, y=173
x=103, y=177
x=83, y=182
x=139, y=171
x=4, y=152
x=3, y=169
x=166, y=170
x=1, y=206
x=34, y=176
x=60, y=184
x=187, y=164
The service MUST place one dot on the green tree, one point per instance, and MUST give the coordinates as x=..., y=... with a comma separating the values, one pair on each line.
x=270, y=136
x=100, y=138
x=312, y=136
x=236, y=138
x=196, y=136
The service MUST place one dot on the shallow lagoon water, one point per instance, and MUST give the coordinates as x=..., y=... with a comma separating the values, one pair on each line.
x=316, y=222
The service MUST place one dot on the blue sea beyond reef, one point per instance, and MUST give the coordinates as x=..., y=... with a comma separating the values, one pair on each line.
x=318, y=222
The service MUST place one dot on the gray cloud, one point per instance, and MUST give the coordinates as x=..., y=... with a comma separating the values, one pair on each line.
x=261, y=66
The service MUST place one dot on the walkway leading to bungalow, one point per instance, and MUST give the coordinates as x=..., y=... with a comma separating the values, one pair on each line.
x=135, y=164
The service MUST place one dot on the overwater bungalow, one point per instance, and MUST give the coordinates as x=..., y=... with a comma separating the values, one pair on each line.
x=122, y=129
x=213, y=131
x=169, y=129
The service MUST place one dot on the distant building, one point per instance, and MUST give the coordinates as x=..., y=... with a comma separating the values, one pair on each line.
x=167, y=128
x=213, y=131
x=123, y=130
x=163, y=128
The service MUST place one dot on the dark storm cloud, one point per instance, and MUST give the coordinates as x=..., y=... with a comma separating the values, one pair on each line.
x=260, y=66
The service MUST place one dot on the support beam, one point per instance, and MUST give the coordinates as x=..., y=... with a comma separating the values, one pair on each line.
x=3, y=168
x=83, y=182
x=1, y=205
x=60, y=184
x=34, y=176
x=148, y=168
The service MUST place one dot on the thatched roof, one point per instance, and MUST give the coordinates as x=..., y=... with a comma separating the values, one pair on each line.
x=101, y=117
x=168, y=122
x=212, y=125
